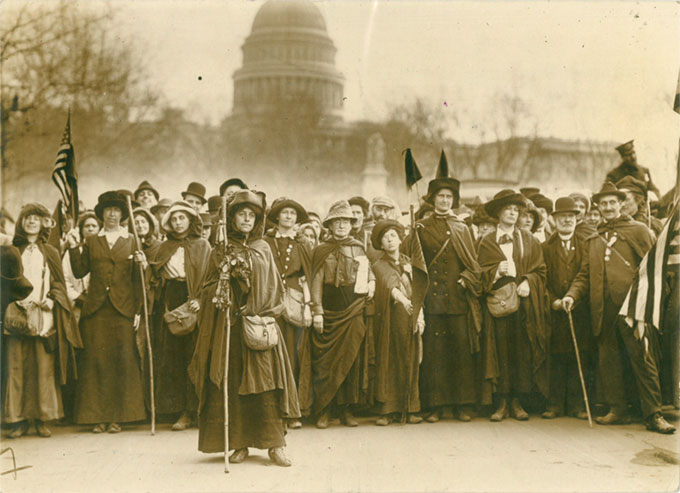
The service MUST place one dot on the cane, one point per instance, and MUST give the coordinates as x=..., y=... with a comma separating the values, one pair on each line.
x=146, y=319
x=227, y=333
x=580, y=370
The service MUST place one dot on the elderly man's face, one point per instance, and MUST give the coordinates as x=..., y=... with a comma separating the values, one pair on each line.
x=630, y=205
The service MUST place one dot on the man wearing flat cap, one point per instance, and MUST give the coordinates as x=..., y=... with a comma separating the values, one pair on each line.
x=606, y=274
x=630, y=167
x=635, y=203
x=447, y=290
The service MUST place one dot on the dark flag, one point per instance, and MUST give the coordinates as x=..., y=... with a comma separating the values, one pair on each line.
x=443, y=169
x=644, y=300
x=676, y=103
x=411, y=168
x=65, y=174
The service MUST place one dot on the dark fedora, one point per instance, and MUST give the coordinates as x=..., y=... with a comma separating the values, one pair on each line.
x=529, y=191
x=541, y=200
x=381, y=228
x=281, y=203
x=565, y=205
x=214, y=204
x=111, y=199
x=145, y=185
x=195, y=189
x=361, y=202
x=441, y=183
x=502, y=199
x=608, y=188
x=232, y=181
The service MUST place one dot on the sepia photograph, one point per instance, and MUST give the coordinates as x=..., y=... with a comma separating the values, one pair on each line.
x=339, y=246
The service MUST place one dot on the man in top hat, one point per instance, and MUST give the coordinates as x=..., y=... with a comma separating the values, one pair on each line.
x=606, y=274
x=231, y=186
x=512, y=259
x=334, y=357
x=564, y=252
x=146, y=195
x=360, y=208
x=630, y=167
x=635, y=203
x=447, y=291
x=195, y=195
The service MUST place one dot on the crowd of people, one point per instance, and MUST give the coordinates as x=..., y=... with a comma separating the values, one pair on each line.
x=477, y=310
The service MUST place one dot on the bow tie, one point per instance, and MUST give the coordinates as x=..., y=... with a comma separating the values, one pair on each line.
x=504, y=239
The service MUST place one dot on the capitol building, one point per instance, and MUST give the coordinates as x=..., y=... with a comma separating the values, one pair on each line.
x=287, y=121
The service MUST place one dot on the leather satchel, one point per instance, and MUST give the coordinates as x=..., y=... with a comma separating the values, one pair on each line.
x=181, y=321
x=23, y=321
x=260, y=333
x=504, y=300
x=294, y=307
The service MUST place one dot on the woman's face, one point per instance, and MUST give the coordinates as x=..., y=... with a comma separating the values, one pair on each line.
x=32, y=224
x=244, y=220
x=90, y=227
x=525, y=221
x=179, y=222
x=309, y=237
x=141, y=224
x=593, y=218
x=287, y=217
x=391, y=241
x=341, y=227
x=581, y=208
x=509, y=215
x=443, y=200
x=112, y=216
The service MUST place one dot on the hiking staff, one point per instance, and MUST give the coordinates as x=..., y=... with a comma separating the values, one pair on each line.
x=227, y=332
x=580, y=370
x=409, y=357
x=146, y=319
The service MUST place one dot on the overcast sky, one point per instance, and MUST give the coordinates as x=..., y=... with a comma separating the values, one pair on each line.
x=587, y=70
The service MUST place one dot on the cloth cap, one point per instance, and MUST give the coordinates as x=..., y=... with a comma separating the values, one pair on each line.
x=340, y=210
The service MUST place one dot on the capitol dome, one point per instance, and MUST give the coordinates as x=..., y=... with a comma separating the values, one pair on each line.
x=288, y=57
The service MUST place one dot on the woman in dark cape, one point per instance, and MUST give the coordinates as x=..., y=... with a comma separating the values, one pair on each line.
x=179, y=268
x=36, y=367
x=399, y=331
x=261, y=387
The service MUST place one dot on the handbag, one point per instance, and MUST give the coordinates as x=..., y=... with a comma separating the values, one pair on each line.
x=260, y=333
x=294, y=307
x=504, y=300
x=181, y=321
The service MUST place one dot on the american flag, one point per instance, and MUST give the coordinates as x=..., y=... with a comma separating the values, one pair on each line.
x=644, y=301
x=65, y=174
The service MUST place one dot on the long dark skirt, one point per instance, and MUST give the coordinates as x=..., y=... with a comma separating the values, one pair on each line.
x=254, y=420
x=292, y=336
x=514, y=356
x=174, y=391
x=447, y=373
x=110, y=384
x=397, y=365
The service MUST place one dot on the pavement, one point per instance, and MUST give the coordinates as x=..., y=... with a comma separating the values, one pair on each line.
x=534, y=456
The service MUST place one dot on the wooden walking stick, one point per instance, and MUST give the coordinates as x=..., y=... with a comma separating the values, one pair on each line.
x=411, y=340
x=580, y=370
x=227, y=333
x=146, y=318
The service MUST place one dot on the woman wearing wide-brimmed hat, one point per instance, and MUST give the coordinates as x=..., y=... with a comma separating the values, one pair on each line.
x=448, y=293
x=513, y=269
x=179, y=270
x=37, y=363
x=109, y=390
x=334, y=355
x=399, y=330
x=293, y=261
x=261, y=386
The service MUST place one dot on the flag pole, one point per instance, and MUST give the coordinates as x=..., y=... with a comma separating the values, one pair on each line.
x=146, y=319
x=227, y=334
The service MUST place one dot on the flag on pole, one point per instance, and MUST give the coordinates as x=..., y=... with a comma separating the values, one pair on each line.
x=676, y=102
x=411, y=169
x=65, y=174
x=443, y=169
x=644, y=300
